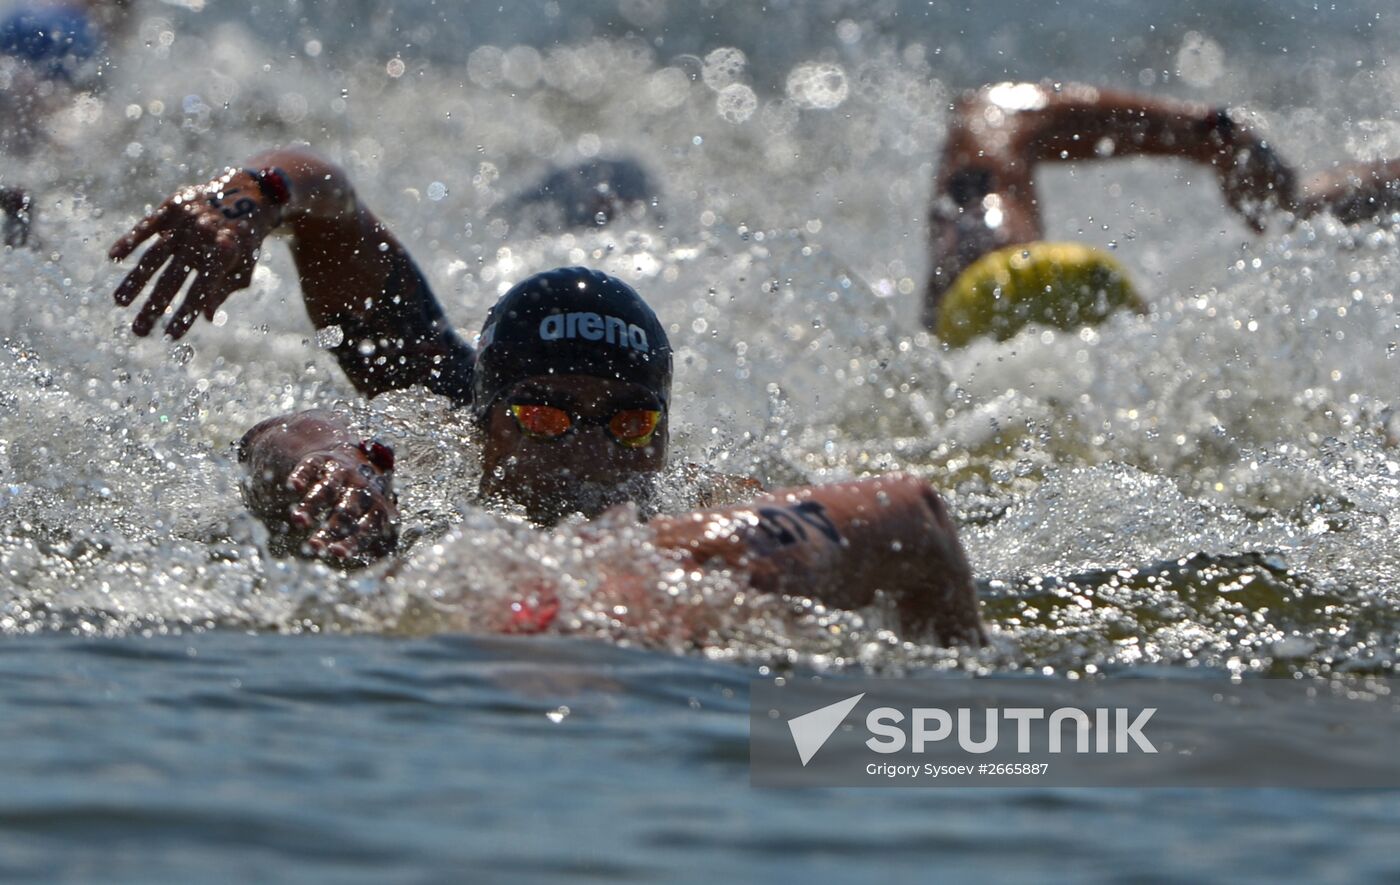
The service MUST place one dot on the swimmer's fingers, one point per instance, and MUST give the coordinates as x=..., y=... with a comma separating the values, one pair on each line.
x=166, y=288
x=320, y=495
x=157, y=221
x=354, y=507
x=141, y=274
x=374, y=533
x=1254, y=216
x=307, y=472
x=190, y=308
x=336, y=527
x=240, y=276
x=216, y=262
x=216, y=300
x=1240, y=197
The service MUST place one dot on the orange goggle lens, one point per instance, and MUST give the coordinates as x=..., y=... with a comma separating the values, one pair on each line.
x=545, y=422
x=634, y=427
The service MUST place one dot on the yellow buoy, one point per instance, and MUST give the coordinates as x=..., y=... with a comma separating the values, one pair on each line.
x=1064, y=285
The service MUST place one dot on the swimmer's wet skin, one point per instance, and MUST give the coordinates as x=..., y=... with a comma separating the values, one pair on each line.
x=571, y=389
x=990, y=273
x=841, y=543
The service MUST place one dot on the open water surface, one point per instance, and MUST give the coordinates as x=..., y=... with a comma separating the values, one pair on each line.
x=1208, y=488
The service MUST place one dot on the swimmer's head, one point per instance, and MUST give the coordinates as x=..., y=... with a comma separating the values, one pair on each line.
x=572, y=385
x=1062, y=285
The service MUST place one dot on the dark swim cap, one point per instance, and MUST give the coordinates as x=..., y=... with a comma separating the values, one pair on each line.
x=56, y=40
x=570, y=321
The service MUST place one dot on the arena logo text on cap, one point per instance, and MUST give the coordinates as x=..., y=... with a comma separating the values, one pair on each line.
x=594, y=327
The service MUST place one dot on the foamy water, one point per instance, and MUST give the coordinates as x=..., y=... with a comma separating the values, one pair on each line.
x=1203, y=490
x=1247, y=414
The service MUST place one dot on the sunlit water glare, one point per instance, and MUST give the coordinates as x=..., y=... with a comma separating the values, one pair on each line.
x=1209, y=485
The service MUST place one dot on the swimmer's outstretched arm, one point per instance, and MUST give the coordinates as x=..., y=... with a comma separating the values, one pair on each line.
x=838, y=544
x=1024, y=124
x=355, y=275
x=984, y=191
x=320, y=490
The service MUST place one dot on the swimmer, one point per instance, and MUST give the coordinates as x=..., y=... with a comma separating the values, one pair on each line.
x=591, y=194
x=991, y=274
x=48, y=49
x=570, y=388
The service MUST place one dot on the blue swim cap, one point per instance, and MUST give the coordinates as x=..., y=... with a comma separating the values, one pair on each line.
x=570, y=321
x=54, y=39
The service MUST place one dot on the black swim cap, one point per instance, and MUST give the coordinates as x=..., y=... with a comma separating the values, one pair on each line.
x=570, y=321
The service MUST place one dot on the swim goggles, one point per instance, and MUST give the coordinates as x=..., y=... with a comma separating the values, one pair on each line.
x=632, y=428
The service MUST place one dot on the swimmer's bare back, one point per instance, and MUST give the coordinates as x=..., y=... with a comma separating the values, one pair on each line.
x=839, y=544
x=984, y=195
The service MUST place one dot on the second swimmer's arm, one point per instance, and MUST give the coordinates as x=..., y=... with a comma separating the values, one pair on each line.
x=1354, y=192
x=1071, y=124
x=1017, y=125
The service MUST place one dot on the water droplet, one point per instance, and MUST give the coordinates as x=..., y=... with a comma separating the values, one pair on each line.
x=330, y=336
x=736, y=103
x=723, y=67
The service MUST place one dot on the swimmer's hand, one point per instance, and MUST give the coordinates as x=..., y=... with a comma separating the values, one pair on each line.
x=347, y=503
x=212, y=230
x=1254, y=180
x=15, y=206
x=328, y=494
